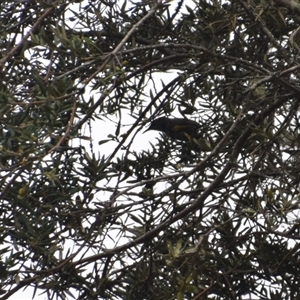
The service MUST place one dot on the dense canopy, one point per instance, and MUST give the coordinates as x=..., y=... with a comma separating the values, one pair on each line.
x=93, y=209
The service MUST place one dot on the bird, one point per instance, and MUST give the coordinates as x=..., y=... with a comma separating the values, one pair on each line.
x=176, y=128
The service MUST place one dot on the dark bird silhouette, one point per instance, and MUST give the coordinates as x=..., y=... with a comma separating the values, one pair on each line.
x=177, y=129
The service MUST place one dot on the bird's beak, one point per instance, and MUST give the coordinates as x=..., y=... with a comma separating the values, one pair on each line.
x=146, y=130
x=149, y=128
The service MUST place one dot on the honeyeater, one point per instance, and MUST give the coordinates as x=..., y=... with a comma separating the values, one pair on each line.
x=176, y=128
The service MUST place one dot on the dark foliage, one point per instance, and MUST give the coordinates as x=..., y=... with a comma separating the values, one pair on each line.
x=85, y=213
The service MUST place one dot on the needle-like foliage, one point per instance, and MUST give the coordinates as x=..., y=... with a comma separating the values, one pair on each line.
x=91, y=208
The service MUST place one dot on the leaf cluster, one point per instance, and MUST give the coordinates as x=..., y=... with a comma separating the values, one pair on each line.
x=87, y=212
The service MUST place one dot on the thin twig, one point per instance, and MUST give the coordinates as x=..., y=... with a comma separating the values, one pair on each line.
x=26, y=36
